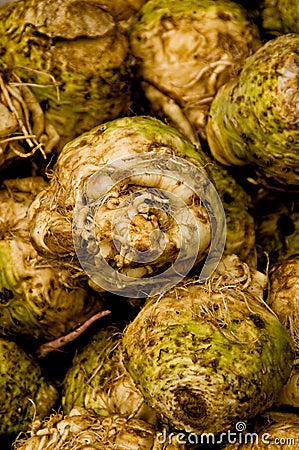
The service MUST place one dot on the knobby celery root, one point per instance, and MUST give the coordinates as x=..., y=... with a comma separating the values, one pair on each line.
x=24, y=130
x=98, y=381
x=274, y=428
x=84, y=429
x=75, y=57
x=238, y=207
x=280, y=16
x=253, y=119
x=52, y=212
x=283, y=296
x=38, y=300
x=208, y=355
x=25, y=394
x=185, y=50
x=289, y=393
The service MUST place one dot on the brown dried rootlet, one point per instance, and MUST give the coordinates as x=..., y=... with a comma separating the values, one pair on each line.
x=75, y=57
x=25, y=394
x=98, y=381
x=206, y=356
x=274, y=429
x=23, y=127
x=38, y=301
x=185, y=50
x=253, y=119
x=52, y=212
x=82, y=429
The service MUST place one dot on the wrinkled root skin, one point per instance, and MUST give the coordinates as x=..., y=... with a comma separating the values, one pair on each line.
x=98, y=381
x=254, y=119
x=24, y=391
x=274, y=426
x=38, y=301
x=205, y=359
x=280, y=16
x=84, y=430
x=75, y=57
x=237, y=204
x=284, y=296
x=51, y=213
x=23, y=127
x=185, y=51
x=55, y=345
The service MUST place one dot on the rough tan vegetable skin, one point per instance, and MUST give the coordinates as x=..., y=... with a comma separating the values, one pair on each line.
x=82, y=429
x=206, y=356
x=185, y=50
x=75, y=56
x=253, y=120
x=38, y=300
x=24, y=391
x=52, y=212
